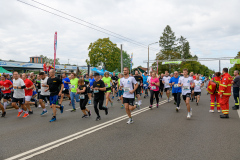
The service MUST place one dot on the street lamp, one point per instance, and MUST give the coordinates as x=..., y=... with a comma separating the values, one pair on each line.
x=148, y=55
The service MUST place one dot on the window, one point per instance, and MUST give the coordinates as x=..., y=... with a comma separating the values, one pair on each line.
x=32, y=60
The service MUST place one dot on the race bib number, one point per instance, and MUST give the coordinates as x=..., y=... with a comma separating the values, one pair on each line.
x=186, y=88
x=144, y=85
x=153, y=87
x=126, y=89
x=198, y=84
x=3, y=88
x=113, y=81
x=167, y=84
x=72, y=86
x=96, y=91
x=175, y=85
x=82, y=96
x=106, y=85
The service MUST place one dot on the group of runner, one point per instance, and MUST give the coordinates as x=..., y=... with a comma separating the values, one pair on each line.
x=127, y=88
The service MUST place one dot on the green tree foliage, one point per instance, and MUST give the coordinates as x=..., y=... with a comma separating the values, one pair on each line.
x=49, y=60
x=106, y=53
x=168, y=39
x=235, y=66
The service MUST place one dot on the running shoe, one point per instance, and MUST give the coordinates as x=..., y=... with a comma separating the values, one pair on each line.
x=43, y=113
x=219, y=111
x=3, y=114
x=85, y=116
x=36, y=103
x=106, y=111
x=53, y=119
x=30, y=112
x=46, y=104
x=168, y=100
x=25, y=115
x=61, y=109
x=98, y=118
x=130, y=121
x=89, y=102
x=89, y=113
x=211, y=111
x=191, y=111
x=122, y=106
x=150, y=106
x=118, y=99
x=175, y=103
x=157, y=105
x=176, y=109
x=111, y=104
x=112, y=97
x=19, y=114
x=189, y=115
x=39, y=106
x=73, y=110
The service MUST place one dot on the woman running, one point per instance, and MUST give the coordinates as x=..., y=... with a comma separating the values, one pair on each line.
x=107, y=80
x=82, y=90
x=154, y=89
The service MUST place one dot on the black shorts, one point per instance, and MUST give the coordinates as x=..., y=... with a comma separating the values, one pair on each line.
x=20, y=100
x=0, y=96
x=65, y=91
x=130, y=101
x=166, y=89
x=138, y=90
x=161, y=88
x=192, y=89
x=7, y=96
x=44, y=96
x=89, y=90
x=185, y=96
x=197, y=93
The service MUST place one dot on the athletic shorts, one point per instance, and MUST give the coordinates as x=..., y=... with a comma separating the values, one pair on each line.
x=1, y=96
x=192, y=89
x=166, y=89
x=89, y=90
x=197, y=93
x=20, y=100
x=114, y=85
x=138, y=90
x=108, y=89
x=28, y=98
x=44, y=96
x=120, y=93
x=130, y=101
x=34, y=92
x=65, y=91
x=185, y=96
x=53, y=99
x=161, y=88
x=6, y=95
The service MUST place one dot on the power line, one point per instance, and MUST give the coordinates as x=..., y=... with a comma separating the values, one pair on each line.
x=85, y=25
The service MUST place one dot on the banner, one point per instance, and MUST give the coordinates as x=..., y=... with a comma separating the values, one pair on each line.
x=157, y=66
x=235, y=61
x=55, y=48
x=172, y=62
x=131, y=62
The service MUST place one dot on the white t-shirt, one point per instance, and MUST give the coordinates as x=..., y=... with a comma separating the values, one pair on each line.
x=44, y=88
x=198, y=84
x=127, y=84
x=166, y=80
x=149, y=78
x=18, y=93
x=186, y=84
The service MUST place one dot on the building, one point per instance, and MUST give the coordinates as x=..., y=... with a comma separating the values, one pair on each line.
x=36, y=59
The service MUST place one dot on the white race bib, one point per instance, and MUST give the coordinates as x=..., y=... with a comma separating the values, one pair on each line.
x=72, y=86
x=106, y=86
x=144, y=85
x=126, y=89
x=175, y=85
x=167, y=84
x=198, y=84
x=113, y=81
x=95, y=91
x=185, y=88
x=3, y=89
x=138, y=83
x=82, y=96
x=153, y=87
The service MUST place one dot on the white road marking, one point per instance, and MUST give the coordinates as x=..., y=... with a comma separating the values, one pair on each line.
x=238, y=111
x=49, y=146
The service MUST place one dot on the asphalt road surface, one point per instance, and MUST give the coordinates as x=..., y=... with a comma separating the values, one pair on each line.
x=161, y=133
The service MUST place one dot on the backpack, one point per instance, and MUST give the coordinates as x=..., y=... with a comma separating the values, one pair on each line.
x=212, y=87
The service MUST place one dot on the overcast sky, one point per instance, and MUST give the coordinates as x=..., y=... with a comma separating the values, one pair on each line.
x=211, y=27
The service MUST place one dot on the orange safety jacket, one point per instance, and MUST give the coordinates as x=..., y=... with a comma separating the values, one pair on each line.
x=225, y=85
x=217, y=80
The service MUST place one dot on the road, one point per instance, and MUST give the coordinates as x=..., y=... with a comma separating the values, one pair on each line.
x=161, y=133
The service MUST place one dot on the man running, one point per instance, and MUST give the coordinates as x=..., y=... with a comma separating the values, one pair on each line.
x=114, y=83
x=176, y=90
x=73, y=93
x=165, y=81
x=53, y=84
x=5, y=86
x=185, y=82
x=127, y=83
x=197, y=84
x=44, y=94
x=19, y=95
x=139, y=80
x=65, y=92
x=161, y=85
x=145, y=84
x=98, y=90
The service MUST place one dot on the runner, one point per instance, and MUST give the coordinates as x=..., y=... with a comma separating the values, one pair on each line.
x=185, y=83
x=114, y=83
x=19, y=95
x=90, y=93
x=107, y=80
x=82, y=90
x=161, y=85
x=165, y=81
x=192, y=88
x=126, y=84
x=44, y=94
x=176, y=90
x=154, y=89
x=28, y=92
x=139, y=80
x=53, y=84
x=98, y=89
x=73, y=93
x=145, y=84
x=197, y=84
x=38, y=87
x=5, y=86
x=120, y=90
x=65, y=92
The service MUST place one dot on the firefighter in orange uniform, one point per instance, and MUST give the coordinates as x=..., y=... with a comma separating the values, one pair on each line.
x=214, y=95
x=225, y=92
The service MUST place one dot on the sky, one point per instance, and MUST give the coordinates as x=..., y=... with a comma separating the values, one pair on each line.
x=211, y=27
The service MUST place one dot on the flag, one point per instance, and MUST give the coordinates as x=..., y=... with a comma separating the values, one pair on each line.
x=55, y=48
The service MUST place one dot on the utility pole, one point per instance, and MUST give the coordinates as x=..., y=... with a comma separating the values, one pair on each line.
x=68, y=61
x=121, y=60
x=219, y=65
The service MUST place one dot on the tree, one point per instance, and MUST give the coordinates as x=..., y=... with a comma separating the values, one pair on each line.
x=168, y=39
x=235, y=66
x=104, y=52
x=126, y=60
x=49, y=60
